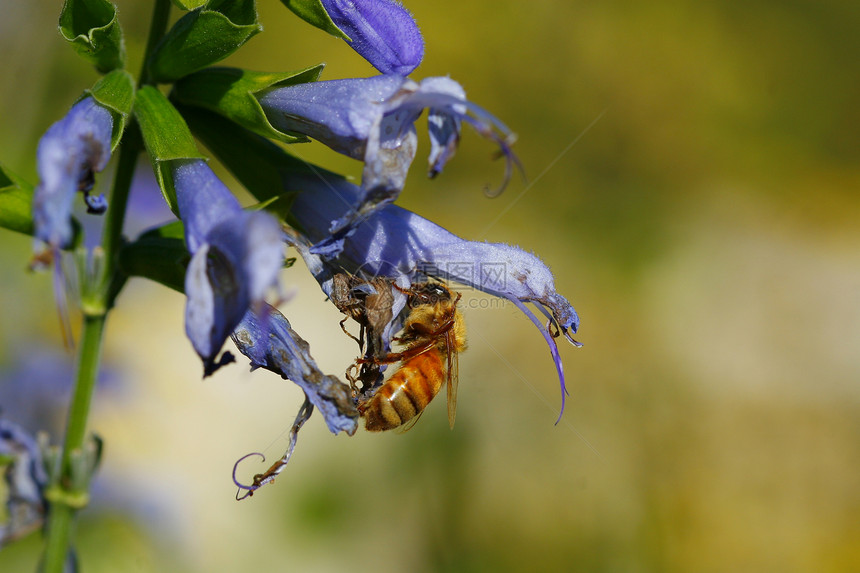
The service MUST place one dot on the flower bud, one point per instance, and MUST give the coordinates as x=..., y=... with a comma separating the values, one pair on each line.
x=382, y=32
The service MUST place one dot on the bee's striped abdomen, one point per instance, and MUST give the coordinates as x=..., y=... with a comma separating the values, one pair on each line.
x=406, y=393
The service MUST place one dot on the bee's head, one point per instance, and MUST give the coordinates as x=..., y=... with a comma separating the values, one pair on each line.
x=428, y=294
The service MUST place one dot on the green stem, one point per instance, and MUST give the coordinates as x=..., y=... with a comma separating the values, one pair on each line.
x=131, y=147
x=61, y=515
x=58, y=536
x=129, y=151
x=88, y=368
x=65, y=501
x=157, y=27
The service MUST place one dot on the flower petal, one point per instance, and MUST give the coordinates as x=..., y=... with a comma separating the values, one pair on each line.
x=25, y=481
x=229, y=274
x=270, y=343
x=447, y=106
x=69, y=152
x=395, y=242
x=444, y=131
x=338, y=113
x=374, y=119
x=203, y=200
x=215, y=297
x=382, y=31
x=236, y=257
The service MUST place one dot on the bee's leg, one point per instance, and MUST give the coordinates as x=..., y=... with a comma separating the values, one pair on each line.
x=426, y=332
x=400, y=356
x=348, y=333
x=406, y=291
x=352, y=376
x=370, y=376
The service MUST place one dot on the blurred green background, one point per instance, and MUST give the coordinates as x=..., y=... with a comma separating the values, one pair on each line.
x=693, y=182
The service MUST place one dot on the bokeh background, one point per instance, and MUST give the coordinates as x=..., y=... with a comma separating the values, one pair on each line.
x=693, y=177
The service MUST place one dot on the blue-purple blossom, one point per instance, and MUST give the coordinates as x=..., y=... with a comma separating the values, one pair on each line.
x=382, y=32
x=338, y=113
x=25, y=480
x=270, y=343
x=35, y=387
x=373, y=120
x=69, y=153
x=236, y=256
x=146, y=205
x=395, y=242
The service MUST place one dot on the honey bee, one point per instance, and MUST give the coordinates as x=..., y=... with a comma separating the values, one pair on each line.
x=434, y=334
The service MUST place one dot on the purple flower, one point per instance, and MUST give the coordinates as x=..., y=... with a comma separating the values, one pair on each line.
x=25, y=480
x=36, y=387
x=69, y=153
x=146, y=205
x=395, y=242
x=270, y=343
x=236, y=257
x=382, y=32
x=373, y=120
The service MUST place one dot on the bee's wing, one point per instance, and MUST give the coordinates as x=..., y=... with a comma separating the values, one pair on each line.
x=410, y=424
x=453, y=377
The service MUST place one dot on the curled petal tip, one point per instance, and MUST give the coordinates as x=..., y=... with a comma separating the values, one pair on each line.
x=553, y=348
x=570, y=339
x=512, y=162
x=249, y=489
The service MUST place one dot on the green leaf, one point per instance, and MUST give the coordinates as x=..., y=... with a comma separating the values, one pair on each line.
x=231, y=92
x=93, y=29
x=203, y=37
x=313, y=12
x=278, y=206
x=16, y=206
x=164, y=131
x=115, y=91
x=256, y=162
x=188, y=4
x=158, y=255
x=166, y=136
x=16, y=203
